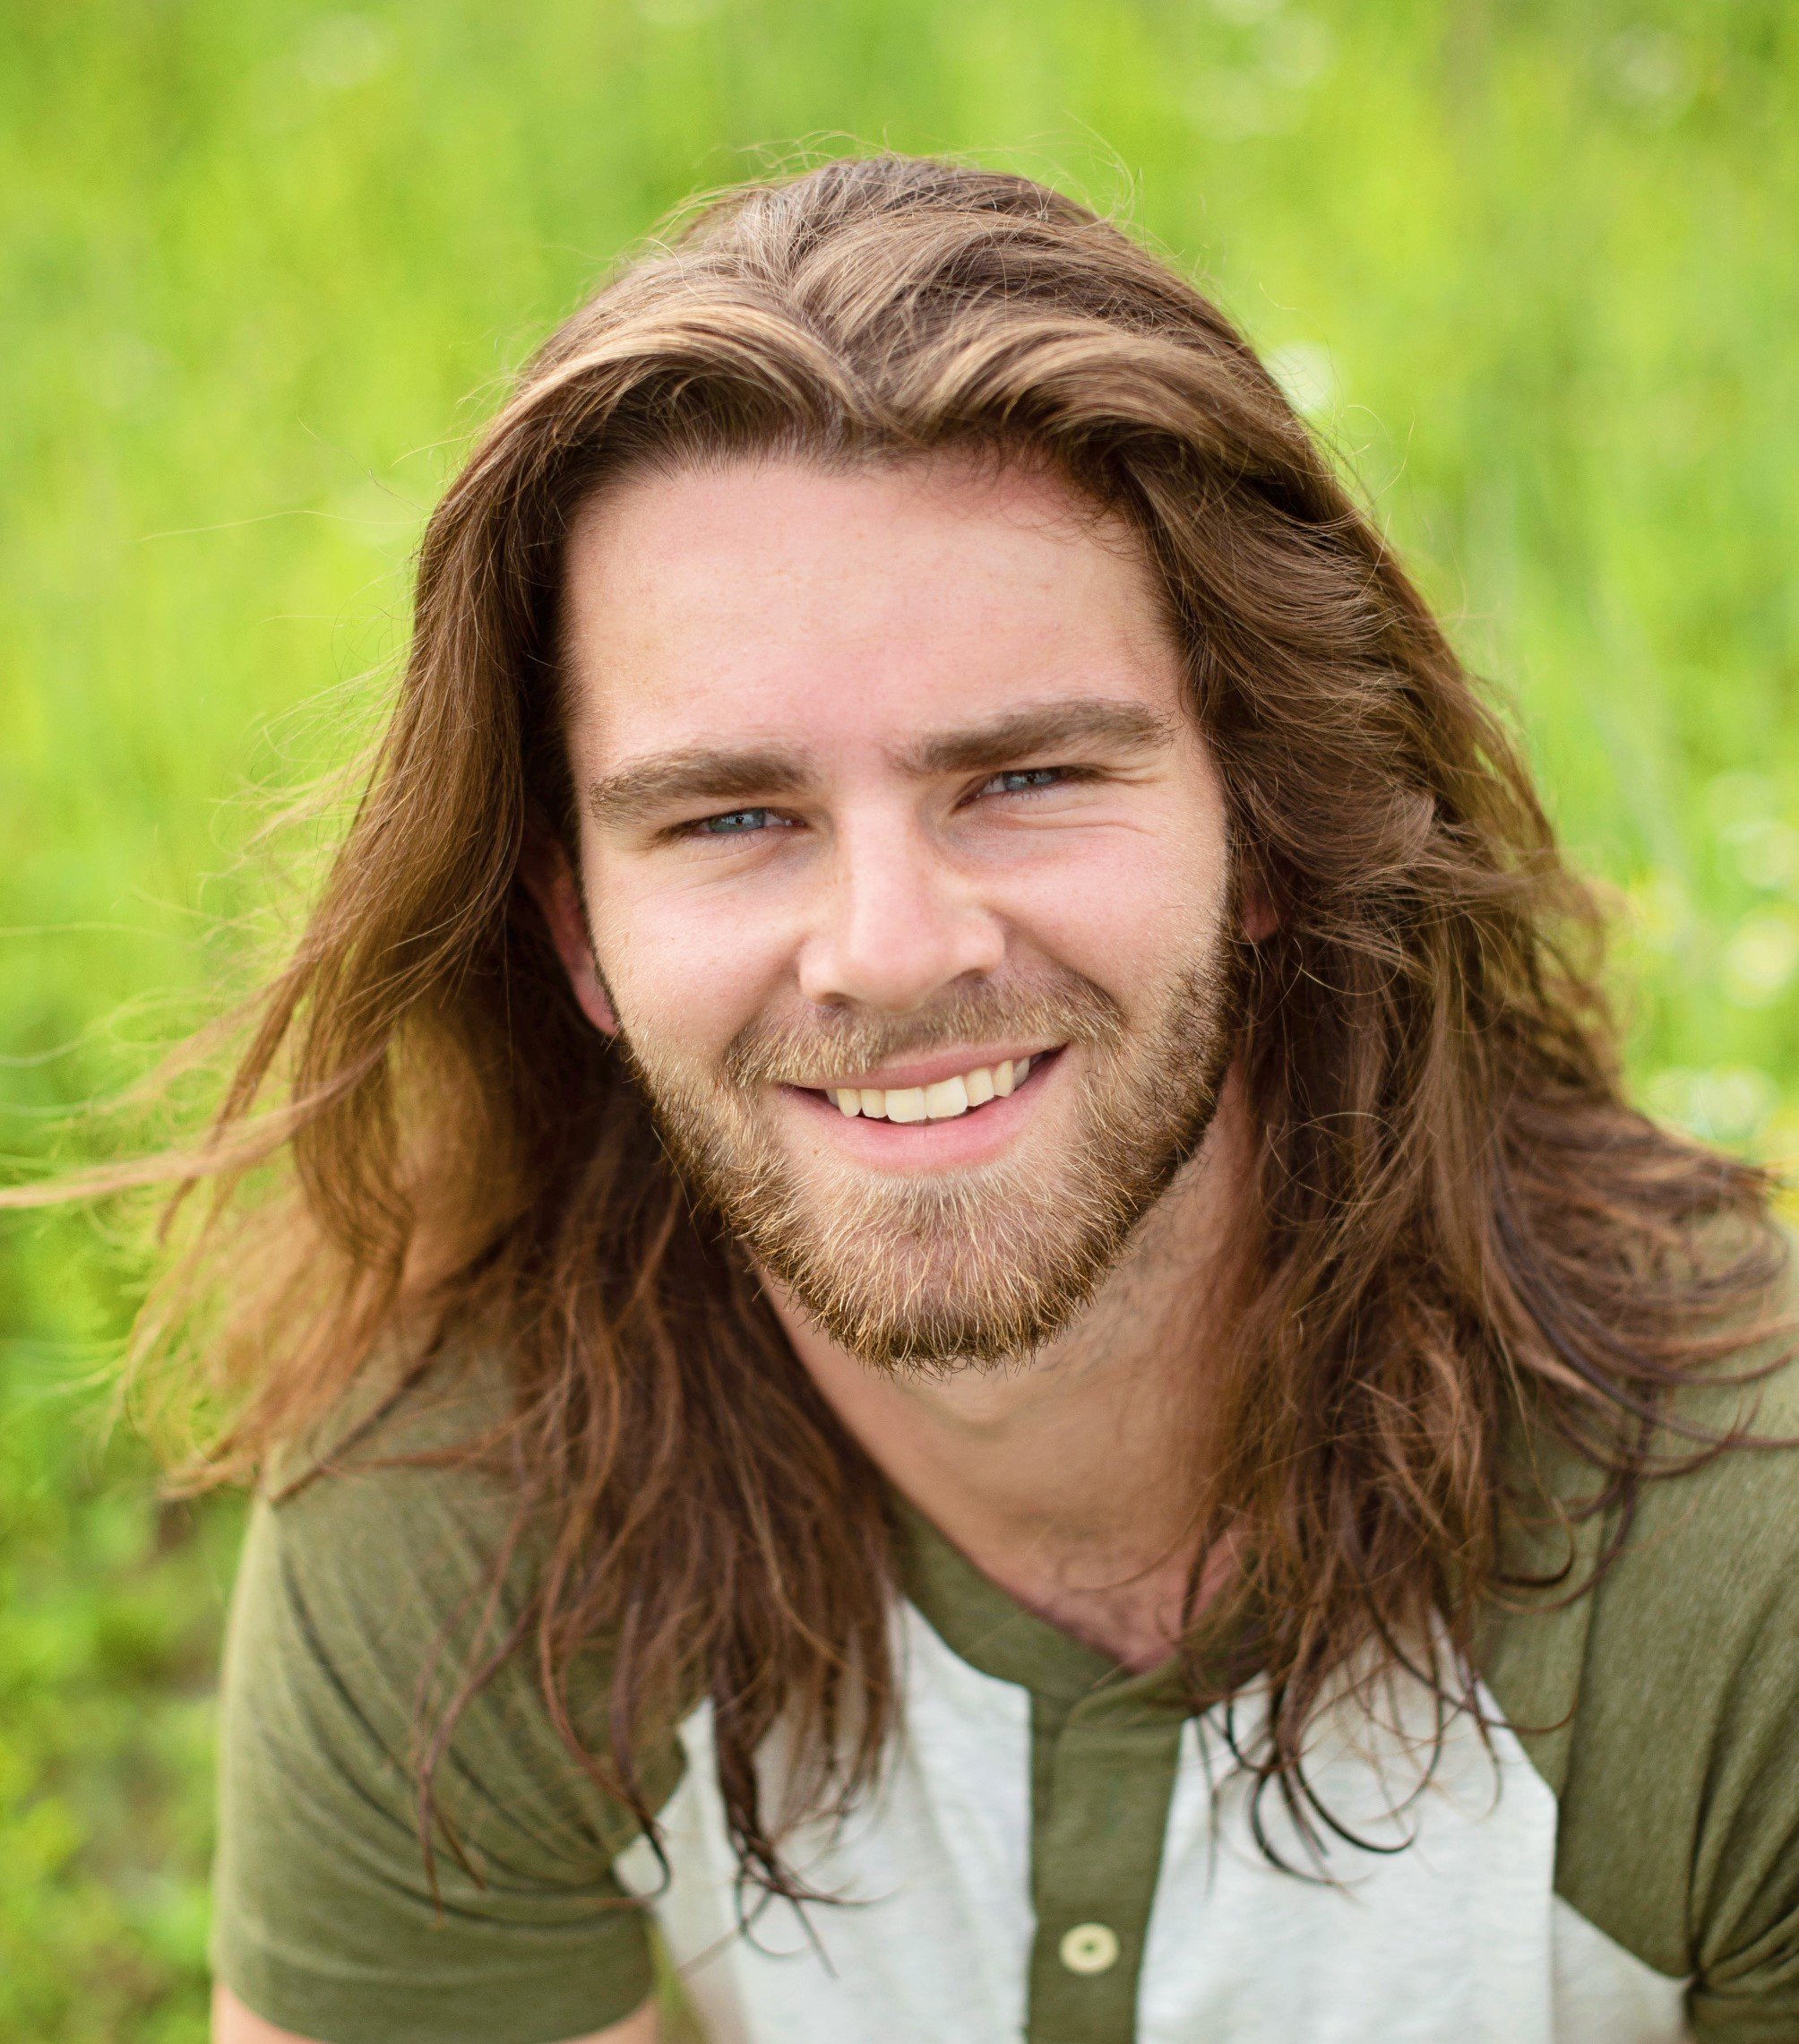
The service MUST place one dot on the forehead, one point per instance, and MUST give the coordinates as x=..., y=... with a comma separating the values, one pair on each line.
x=833, y=610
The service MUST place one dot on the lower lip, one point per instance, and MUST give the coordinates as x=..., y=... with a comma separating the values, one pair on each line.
x=929, y=1145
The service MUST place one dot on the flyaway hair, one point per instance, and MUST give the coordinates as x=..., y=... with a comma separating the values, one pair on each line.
x=1459, y=1225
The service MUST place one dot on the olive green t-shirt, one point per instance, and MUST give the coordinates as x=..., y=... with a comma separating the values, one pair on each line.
x=1057, y=1852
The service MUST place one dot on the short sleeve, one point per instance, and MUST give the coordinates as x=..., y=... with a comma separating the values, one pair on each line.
x=1677, y=1759
x=358, y=1598
x=1721, y=1641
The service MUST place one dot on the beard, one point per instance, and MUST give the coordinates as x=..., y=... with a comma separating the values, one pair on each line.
x=976, y=1266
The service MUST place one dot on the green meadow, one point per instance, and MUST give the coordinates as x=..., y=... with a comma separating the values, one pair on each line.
x=1531, y=269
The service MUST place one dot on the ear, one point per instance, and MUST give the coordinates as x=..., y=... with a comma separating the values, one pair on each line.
x=1260, y=918
x=1258, y=912
x=544, y=868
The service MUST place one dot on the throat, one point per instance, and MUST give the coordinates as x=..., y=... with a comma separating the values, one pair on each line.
x=1128, y=1611
x=1074, y=1482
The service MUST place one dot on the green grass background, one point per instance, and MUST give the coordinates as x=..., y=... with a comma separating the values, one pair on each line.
x=1532, y=267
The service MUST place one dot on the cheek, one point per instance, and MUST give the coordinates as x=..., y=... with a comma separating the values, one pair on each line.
x=687, y=971
x=1131, y=913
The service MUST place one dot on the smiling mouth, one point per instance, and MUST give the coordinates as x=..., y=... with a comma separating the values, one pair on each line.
x=945, y=1101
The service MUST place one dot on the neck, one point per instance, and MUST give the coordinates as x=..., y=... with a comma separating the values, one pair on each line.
x=1070, y=1479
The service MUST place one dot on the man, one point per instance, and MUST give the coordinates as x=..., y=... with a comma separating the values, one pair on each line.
x=966, y=1325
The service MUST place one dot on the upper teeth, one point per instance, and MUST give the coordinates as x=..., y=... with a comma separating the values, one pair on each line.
x=941, y=1102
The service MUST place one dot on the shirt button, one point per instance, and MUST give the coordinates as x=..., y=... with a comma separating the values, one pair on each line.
x=1089, y=1947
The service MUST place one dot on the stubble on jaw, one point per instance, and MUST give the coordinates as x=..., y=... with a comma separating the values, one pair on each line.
x=978, y=1268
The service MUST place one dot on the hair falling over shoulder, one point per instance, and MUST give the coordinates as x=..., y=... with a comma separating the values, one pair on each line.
x=1460, y=1222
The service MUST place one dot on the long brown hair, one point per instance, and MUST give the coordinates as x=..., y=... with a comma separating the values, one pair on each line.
x=1459, y=1221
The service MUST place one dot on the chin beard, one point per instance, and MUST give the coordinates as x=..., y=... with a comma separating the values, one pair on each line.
x=978, y=1268
x=970, y=1275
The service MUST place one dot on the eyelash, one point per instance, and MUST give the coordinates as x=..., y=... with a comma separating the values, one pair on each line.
x=1055, y=776
x=710, y=826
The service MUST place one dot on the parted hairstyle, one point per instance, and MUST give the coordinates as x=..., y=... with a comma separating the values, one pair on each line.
x=1457, y=1222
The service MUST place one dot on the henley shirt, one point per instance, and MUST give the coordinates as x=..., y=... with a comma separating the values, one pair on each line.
x=1057, y=1852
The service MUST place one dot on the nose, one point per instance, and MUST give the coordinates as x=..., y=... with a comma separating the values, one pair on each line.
x=898, y=922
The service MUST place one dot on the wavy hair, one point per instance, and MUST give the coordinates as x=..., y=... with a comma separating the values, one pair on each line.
x=1458, y=1221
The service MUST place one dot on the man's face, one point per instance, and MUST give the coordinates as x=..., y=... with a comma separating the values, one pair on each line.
x=907, y=881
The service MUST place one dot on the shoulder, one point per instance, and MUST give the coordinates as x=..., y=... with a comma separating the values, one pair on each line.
x=1662, y=1703
x=384, y=1575
x=397, y=1488
x=388, y=1559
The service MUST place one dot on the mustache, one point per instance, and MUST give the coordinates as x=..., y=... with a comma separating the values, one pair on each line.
x=801, y=1052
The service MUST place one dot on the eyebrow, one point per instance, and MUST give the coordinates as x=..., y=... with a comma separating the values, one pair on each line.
x=698, y=774
x=649, y=787
x=1131, y=727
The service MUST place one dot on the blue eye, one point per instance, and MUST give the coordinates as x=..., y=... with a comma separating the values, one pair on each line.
x=735, y=823
x=1020, y=781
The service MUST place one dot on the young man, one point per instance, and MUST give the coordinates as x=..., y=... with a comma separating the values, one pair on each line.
x=968, y=1322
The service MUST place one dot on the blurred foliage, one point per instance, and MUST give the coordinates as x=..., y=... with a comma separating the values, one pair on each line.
x=1529, y=266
